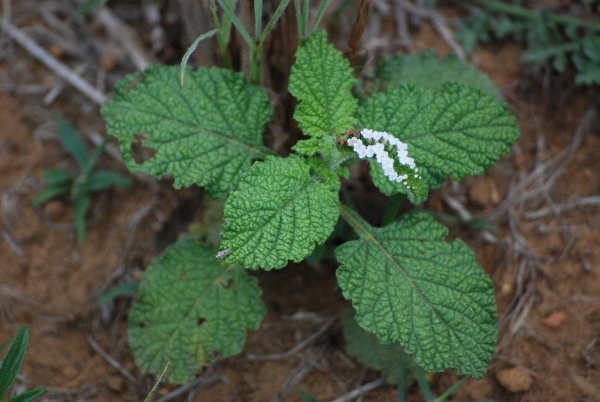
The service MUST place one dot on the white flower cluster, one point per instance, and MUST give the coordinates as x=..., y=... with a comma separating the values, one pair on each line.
x=374, y=146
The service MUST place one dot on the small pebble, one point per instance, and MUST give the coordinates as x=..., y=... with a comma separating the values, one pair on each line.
x=515, y=379
x=69, y=372
x=55, y=210
x=115, y=383
x=555, y=320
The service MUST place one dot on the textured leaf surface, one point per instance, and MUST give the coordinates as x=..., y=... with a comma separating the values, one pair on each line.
x=280, y=211
x=455, y=131
x=205, y=133
x=395, y=365
x=190, y=308
x=426, y=70
x=409, y=285
x=322, y=80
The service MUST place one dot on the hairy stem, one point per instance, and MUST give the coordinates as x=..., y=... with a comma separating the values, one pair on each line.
x=358, y=224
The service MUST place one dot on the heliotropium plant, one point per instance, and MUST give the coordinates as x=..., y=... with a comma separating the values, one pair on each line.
x=407, y=283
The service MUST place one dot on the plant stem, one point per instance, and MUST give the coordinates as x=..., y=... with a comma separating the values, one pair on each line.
x=401, y=392
x=360, y=226
x=258, y=11
x=425, y=388
x=522, y=12
x=223, y=25
x=256, y=48
x=255, y=61
x=451, y=390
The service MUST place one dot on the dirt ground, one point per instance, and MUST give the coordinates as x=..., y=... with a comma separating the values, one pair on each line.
x=543, y=255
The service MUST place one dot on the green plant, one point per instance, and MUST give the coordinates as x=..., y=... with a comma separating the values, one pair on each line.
x=10, y=368
x=407, y=284
x=550, y=39
x=395, y=365
x=78, y=186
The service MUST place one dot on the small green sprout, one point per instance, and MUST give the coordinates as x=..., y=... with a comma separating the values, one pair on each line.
x=10, y=368
x=79, y=185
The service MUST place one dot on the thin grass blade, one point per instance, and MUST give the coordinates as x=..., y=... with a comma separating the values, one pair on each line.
x=274, y=18
x=236, y=22
x=192, y=49
x=319, y=17
x=72, y=141
x=28, y=396
x=158, y=380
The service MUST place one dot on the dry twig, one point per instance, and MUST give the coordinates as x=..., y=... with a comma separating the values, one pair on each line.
x=439, y=24
x=56, y=66
x=368, y=387
x=110, y=360
x=126, y=37
x=298, y=347
x=201, y=381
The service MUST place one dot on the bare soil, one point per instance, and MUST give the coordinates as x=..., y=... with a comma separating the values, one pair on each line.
x=545, y=263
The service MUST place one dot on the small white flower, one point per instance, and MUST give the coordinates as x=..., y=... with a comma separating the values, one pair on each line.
x=375, y=146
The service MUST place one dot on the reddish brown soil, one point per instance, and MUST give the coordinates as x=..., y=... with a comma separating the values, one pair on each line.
x=49, y=283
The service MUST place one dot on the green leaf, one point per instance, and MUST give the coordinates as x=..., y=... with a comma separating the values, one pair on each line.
x=309, y=147
x=50, y=193
x=204, y=133
x=409, y=285
x=308, y=397
x=126, y=289
x=281, y=210
x=322, y=81
x=58, y=177
x=456, y=130
x=28, y=396
x=13, y=361
x=72, y=141
x=396, y=366
x=90, y=5
x=190, y=308
x=82, y=203
x=426, y=70
x=103, y=179
x=94, y=158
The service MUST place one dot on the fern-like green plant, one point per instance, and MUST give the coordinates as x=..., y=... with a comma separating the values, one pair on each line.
x=408, y=285
x=551, y=40
x=78, y=185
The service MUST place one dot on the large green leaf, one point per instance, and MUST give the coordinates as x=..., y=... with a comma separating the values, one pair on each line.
x=454, y=131
x=395, y=365
x=409, y=285
x=280, y=211
x=191, y=309
x=205, y=132
x=426, y=70
x=322, y=81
